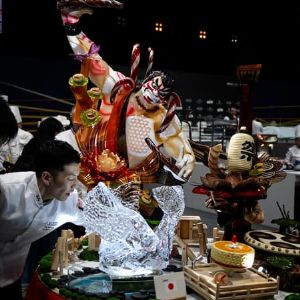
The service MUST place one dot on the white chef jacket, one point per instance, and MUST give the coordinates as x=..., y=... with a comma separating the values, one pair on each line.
x=293, y=155
x=69, y=137
x=24, y=218
x=13, y=149
x=257, y=127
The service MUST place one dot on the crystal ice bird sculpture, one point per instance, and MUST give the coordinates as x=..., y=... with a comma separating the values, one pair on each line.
x=128, y=245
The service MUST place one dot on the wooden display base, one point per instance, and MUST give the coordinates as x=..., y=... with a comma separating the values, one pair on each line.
x=246, y=285
x=187, y=229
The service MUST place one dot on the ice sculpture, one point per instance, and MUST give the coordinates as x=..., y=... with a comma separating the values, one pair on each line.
x=128, y=245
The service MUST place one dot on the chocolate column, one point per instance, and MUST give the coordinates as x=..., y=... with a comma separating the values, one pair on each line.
x=247, y=76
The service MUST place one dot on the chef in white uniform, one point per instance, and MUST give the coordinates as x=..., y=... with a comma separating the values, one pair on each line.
x=293, y=155
x=32, y=204
x=11, y=151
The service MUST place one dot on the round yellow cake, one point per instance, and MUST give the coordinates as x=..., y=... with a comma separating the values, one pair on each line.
x=232, y=255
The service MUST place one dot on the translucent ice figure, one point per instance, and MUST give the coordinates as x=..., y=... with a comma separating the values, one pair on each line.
x=128, y=245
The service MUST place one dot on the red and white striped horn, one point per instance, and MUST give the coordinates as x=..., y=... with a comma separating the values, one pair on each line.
x=135, y=60
x=150, y=61
x=174, y=101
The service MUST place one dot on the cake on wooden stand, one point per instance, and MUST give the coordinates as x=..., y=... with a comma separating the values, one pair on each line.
x=232, y=255
x=231, y=276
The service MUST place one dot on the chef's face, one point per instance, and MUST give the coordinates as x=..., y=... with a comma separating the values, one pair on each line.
x=63, y=183
x=297, y=142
